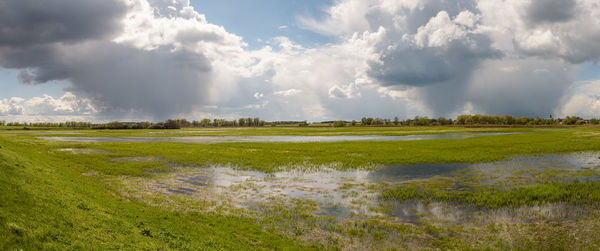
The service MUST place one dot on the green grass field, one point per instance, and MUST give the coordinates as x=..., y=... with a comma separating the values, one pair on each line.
x=54, y=199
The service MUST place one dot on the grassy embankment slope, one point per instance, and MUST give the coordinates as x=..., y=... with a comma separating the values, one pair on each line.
x=46, y=203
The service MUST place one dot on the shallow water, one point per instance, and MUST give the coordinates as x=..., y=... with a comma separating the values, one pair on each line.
x=531, y=169
x=294, y=139
x=247, y=188
x=82, y=150
x=355, y=192
x=417, y=212
x=416, y=171
x=136, y=159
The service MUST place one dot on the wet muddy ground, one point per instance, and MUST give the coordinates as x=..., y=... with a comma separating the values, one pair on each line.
x=355, y=193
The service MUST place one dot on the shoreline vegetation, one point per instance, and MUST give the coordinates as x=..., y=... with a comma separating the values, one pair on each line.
x=462, y=120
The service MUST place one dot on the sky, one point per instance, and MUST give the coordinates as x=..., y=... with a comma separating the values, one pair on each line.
x=315, y=60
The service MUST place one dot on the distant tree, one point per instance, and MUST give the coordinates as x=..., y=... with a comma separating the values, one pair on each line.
x=444, y=121
x=571, y=120
x=256, y=122
x=171, y=124
x=116, y=125
x=339, y=123
x=420, y=121
x=159, y=125
x=366, y=121
x=594, y=121
x=145, y=124
x=377, y=121
x=205, y=123
x=353, y=123
x=396, y=121
x=303, y=124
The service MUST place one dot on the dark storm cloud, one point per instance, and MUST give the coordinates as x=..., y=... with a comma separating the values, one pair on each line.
x=568, y=28
x=71, y=40
x=441, y=72
x=540, y=11
x=159, y=83
x=27, y=22
x=117, y=77
x=525, y=87
x=412, y=66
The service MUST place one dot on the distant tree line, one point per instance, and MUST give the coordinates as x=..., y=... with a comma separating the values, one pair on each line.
x=128, y=125
x=286, y=123
x=476, y=120
x=465, y=120
x=502, y=120
x=182, y=123
x=417, y=121
x=510, y=120
x=69, y=124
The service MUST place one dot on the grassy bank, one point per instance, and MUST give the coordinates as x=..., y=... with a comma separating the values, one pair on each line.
x=46, y=203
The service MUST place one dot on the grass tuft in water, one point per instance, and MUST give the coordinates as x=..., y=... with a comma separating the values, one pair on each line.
x=580, y=193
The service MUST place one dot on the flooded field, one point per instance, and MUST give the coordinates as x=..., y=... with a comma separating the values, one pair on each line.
x=437, y=188
x=294, y=139
x=355, y=193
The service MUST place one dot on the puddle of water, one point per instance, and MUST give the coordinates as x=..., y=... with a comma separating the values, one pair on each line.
x=82, y=150
x=416, y=212
x=181, y=190
x=526, y=168
x=250, y=187
x=295, y=139
x=355, y=192
x=416, y=171
x=135, y=159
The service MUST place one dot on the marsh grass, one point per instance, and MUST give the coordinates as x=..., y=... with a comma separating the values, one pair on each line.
x=272, y=157
x=577, y=193
x=58, y=200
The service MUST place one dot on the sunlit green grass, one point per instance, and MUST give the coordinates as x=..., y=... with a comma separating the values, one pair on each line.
x=58, y=200
x=261, y=131
x=46, y=203
x=577, y=193
x=342, y=155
